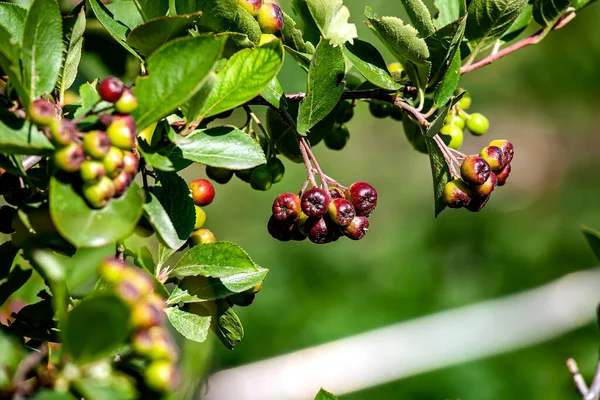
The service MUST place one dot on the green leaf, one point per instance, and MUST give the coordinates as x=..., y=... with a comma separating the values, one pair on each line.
x=42, y=47
x=222, y=146
x=284, y=134
x=86, y=227
x=174, y=195
x=18, y=136
x=12, y=18
x=126, y=13
x=96, y=328
x=579, y=4
x=226, y=324
x=593, y=238
x=437, y=124
x=443, y=44
x=309, y=27
x=217, y=260
x=193, y=108
x=303, y=59
x=11, y=280
x=150, y=9
x=325, y=395
x=148, y=37
x=244, y=76
x=160, y=220
x=175, y=73
x=446, y=88
x=193, y=323
x=419, y=16
x=448, y=11
x=8, y=252
x=440, y=173
x=89, y=98
x=370, y=63
x=520, y=24
x=73, y=28
x=547, y=12
x=81, y=268
x=47, y=394
x=331, y=16
x=116, y=386
x=325, y=86
x=197, y=289
x=274, y=94
x=489, y=19
x=10, y=49
x=116, y=29
x=292, y=36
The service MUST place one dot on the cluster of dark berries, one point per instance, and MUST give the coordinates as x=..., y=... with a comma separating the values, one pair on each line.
x=150, y=339
x=104, y=157
x=457, y=120
x=203, y=193
x=261, y=177
x=323, y=215
x=480, y=176
x=338, y=136
x=244, y=299
x=268, y=15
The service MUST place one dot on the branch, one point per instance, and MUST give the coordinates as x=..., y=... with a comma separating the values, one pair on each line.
x=29, y=363
x=577, y=378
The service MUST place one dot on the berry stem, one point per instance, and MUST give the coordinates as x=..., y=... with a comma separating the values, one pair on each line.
x=577, y=378
x=306, y=182
x=307, y=164
x=314, y=161
x=450, y=159
x=407, y=108
x=334, y=182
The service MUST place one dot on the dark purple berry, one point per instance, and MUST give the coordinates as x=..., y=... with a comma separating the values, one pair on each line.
x=281, y=230
x=475, y=170
x=477, y=203
x=336, y=193
x=7, y=214
x=503, y=175
x=319, y=230
x=357, y=229
x=315, y=202
x=286, y=207
x=341, y=211
x=363, y=196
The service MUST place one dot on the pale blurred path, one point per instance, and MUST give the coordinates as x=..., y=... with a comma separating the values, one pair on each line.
x=420, y=345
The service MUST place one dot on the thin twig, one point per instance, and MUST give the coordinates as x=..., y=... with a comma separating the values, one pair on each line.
x=577, y=378
x=594, y=391
x=332, y=181
x=402, y=104
x=315, y=162
x=28, y=363
x=449, y=157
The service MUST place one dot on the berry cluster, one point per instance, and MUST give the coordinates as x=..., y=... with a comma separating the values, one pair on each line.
x=323, y=215
x=457, y=120
x=338, y=136
x=203, y=193
x=261, y=177
x=480, y=176
x=104, y=156
x=268, y=15
x=150, y=339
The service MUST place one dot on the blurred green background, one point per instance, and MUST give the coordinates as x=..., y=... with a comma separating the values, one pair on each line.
x=545, y=100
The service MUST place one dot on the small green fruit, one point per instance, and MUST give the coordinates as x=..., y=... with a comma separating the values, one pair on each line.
x=112, y=270
x=345, y=111
x=161, y=376
x=337, y=138
x=62, y=132
x=452, y=135
x=270, y=18
x=127, y=103
x=96, y=144
x=477, y=124
x=465, y=102
x=201, y=236
x=69, y=158
x=200, y=218
x=396, y=113
x=122, y=132
x=41, y=112
x=455, y=120
x=457, y=194
x=277, y=169
x=113, y=162
x=219, y=175
x=261, y=178
x=380, y=109
x=244, y=174
x=98, y=194
x=353, y=80
x=91, y=171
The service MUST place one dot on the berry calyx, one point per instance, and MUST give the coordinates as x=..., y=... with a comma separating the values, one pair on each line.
x=127, y=103
x=121, y=132
x=113, y=162
x=91, y=170
x=203, y=192
x=475, y=170
x=503, y=175
x=96, y=144
x=337, y=138
x=507, y=149
x=341, y=212
x=465, y=102
x=457, y=194
x=111, y=89
x=252, y=6
x=315, y=202
x=286, y=207
x=69, y=158
x=62, y=132
x=201, y=236
x=363, y=197
x=477, y=124
x=452, y=135
x=277, y=169
x=455, y=120
x=219, y=175
x=98, y=194
x=122, y=182
x=494, y=156
x=242, y=299
x=161, y=376
x=200, y=218
x=131, y=163
x=357, y=229
x=261, y=178
x=319, y=230
x=7, y=214
x=270, y=18
x=41, y=112
x=380, y=109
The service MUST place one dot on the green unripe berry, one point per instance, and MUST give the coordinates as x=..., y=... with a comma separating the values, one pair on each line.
x=62, y=132
x=270, y=18
x=127, y=103
x=112, y=270
x=477, y=124
x=380, y=109
x=200, y=217
x=345, y=111
x=277, y=169
x=122, y=132
x=244, y=174
x=219, y=175
x=41, y=112
x=353, y=80
x=91, y=171
x=465, y=102
x=494, y=156
x=252, y=6
x=122, y=182
x=161, y=376
x=452, y=136
x=242, y=299
x=396, y=113
x=97, y=194
x=113, y=162
x=455, y=120
x=457, y=194
x=261, y=178
x=69, y=158
x=201, y=236
x=96, y=144
x=154, y=343
x=337, y=138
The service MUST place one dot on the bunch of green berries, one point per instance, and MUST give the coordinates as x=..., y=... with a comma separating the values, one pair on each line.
x=268, y=15
x=458, y=119
x=203, y=194
x=338, y=136
x=480, y=175
x=323, y=215
x=151, y=343
x=261, y=177
x=105, y=156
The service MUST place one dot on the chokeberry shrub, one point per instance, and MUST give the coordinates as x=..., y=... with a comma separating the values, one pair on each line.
x=83, y=182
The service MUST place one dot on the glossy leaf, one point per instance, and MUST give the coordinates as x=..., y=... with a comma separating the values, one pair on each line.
x=440, y=173
x=274, y=94
x=162, y=224
x=292, y=37
x=244, y=76
x=193, y=108
x=105, y=321
x=86, y=227
x=547, y=12
x=20, y=137
x=174, y=196
x=310, y=30
x=419, y=16
x=73, y=28
x=370, y=63
x=520, y=24
x=225, y=16
x=226, y=324
x=42, y=47
x=12, y=18
x=437, y=124
x=10, y=49
x=446, y=88
x=593, y=238
x=89, y=98
x=150, y=9
x=325, y=395
x=217, y=260
x=443, y=44
x=148, y=37
x=47, y=394
x=116, y=386
x=325, y=86
x=11, y=279
x=221, y=146
x=331, y=16
x=448, y=11
x=126, y=13
x=175, y=73
x=193, y=323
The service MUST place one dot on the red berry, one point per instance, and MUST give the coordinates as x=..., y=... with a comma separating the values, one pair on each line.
x=69, y=158
x=286, y=207
x=503, y=175
x=319, y=230
x=270, y=18
x=96, y=144
x=357, y=229
x=203, y=192
x=494, y=156
x=62, y=132
x=507, y=148
x=487, y=188
x=363, y=196
x=111, y=89
x=315, y=202
x=341, y=211
x=475, y=170
x=457, y=194
x=127, y=103
x=42, y=112
x=252, y=6
x=131, y=163
x=122, y=182
x=284, y=231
